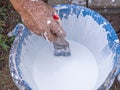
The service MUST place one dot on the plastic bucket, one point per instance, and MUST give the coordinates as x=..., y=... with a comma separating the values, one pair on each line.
x=29, y=60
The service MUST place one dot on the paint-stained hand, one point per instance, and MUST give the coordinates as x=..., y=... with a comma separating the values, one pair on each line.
x=40, y=18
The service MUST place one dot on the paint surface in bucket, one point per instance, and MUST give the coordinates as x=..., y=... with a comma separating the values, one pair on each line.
x=49, y=72
x=77, y=72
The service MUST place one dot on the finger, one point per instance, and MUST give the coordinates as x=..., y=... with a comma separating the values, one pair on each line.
x=50, y=36
x=57, y=29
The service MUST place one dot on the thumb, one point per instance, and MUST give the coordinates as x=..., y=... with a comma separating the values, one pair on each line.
x=57, y=29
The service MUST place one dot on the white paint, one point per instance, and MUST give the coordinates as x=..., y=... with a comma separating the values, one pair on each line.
x=118, y=78
x=34, y=0
x=81, y=2
x=22, y=20
x=61, y=7
x=65, y=73
x=10, y=34
x=90, y=1
x=45, y=36
x=36, y=58
x=113, y=0
x=117, y=41
x=93, y=36
x=48, y=22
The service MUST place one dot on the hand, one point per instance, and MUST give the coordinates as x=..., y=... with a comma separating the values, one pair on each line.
x=55, y=27
x=43, y=20
x=40, y=18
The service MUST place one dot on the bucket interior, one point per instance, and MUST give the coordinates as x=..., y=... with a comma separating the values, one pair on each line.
x=91, y=40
